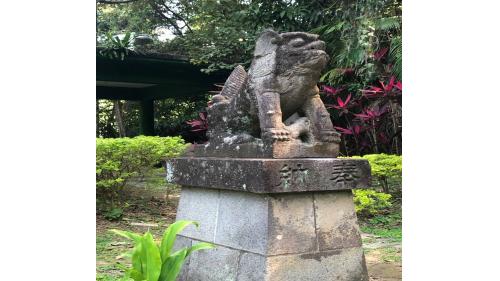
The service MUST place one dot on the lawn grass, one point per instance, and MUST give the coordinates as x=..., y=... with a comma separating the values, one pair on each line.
x=390, y=254
x=385, y=226
x=154, y=207
x=393, y=234
x=108, y=249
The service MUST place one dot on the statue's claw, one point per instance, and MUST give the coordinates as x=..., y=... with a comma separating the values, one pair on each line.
x=277, y=135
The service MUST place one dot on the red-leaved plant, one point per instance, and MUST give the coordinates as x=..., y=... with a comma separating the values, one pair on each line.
x=199, y=125
x=370, y=119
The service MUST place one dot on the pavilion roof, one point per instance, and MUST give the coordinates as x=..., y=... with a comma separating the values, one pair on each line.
x=151, y=75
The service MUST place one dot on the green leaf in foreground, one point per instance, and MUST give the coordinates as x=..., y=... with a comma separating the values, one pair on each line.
x=153, y=262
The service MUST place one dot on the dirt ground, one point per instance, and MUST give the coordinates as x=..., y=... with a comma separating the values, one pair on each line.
x=150, y=209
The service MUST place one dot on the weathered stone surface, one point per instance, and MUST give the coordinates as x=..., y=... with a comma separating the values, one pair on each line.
x=256, y=149
x=242, y=221
x=223, y=263
x=252, y=267
x=340, y=265
x=336, y=220
x=219, y=264
x=271, y=175
x=274, y=110
x=271, y=224
x=201, y=205
x=282, y=236
x=291, y=224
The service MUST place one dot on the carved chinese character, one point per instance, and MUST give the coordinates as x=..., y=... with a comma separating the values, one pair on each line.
x=295, y=175
x=285, y=176
x=347, y=172
x=299, y=174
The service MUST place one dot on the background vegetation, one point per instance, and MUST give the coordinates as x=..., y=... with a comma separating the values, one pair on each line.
x=119, y=160
x=362, y=83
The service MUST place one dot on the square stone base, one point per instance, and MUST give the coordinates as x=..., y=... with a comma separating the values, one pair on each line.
x=259, y=175
x=277, y=150
x=272, y=237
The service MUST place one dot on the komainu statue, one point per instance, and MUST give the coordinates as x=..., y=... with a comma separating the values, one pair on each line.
x=275, y=109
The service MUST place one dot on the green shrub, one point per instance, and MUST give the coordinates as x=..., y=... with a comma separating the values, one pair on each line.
x=153, y=262
x=369, y=202
x=114, y=214
x=386, y=169
x=118, y=160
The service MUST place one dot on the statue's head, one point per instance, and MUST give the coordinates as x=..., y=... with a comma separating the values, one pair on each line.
x=295, y=51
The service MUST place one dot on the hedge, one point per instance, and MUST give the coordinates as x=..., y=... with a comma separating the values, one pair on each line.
x=386, y=172
x=119, y=159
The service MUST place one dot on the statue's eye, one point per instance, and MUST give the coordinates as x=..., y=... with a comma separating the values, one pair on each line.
x=297, y=42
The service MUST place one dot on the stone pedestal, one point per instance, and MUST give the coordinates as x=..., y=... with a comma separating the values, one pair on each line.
x=271, y=219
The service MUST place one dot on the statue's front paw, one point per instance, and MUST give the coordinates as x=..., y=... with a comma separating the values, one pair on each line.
x=277, y=135
x=330, y=136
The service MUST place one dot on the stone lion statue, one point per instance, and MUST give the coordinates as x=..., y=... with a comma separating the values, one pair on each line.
x=275, y=109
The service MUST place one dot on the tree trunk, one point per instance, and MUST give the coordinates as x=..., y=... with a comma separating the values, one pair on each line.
x=118, y=118
x=97, y=118
x=385, y=185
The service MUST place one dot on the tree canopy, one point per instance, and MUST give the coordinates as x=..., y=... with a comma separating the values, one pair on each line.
x=221, y=34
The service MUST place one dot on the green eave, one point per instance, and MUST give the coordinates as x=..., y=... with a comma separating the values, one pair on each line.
x=146, y=77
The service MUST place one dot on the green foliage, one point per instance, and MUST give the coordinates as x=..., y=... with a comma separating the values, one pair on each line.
x=116, y=48
x=118, y=160
x=392, y=254
x=105, y=119
x=153, y=262
x=395, y=234
x=354, y=35
x=385, y=165
x=217, y=39
x=386, y=226
x=136, y=16
x=107, y=126
x=223, y=33
x=386, y=169
x=105, y=277
x=369, y=202
x=114, y=214
x=170, y=115
x=389, y=220
x=396, y=56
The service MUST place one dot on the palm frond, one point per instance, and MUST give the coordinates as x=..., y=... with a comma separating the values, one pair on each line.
x=331, y=76
x=396, y=56
x=388, y=23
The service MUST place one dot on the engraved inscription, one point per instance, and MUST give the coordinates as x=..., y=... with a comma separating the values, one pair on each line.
x=295, y=175
x=285, y=176
x=345, y=173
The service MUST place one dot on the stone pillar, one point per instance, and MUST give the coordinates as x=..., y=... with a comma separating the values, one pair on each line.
x=271, y=219
x=147, y=125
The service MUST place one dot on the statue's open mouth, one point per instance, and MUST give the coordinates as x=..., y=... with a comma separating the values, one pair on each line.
x=316, y=45
x=316, y=53
x=315, y=59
